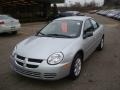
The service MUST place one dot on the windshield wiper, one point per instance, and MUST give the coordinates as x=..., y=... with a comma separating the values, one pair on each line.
x=58, y=35
x=39, y=34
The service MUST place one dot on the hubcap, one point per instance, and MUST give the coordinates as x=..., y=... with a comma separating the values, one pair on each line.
x=77, y=67
x=102, y=43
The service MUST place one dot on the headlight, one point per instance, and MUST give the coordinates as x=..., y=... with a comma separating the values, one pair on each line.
x=55, y=58
x=14, y=51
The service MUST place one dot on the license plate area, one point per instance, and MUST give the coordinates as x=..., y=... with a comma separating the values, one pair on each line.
x=12, y=28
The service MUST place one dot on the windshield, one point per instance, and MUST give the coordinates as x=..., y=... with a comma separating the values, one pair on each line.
x=62, y=28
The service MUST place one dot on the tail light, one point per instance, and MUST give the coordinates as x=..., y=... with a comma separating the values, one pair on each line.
x=2, y=22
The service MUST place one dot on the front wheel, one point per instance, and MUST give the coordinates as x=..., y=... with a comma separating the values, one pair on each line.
x=76, y=67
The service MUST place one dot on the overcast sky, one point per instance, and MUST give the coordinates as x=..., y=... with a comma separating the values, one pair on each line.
x=68, y=2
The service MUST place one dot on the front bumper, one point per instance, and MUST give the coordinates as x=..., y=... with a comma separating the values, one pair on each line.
x=44, y=71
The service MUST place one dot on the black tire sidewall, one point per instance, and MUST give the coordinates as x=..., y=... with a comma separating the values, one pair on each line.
x=99, y=47
x=14, y=32
x=72, y=74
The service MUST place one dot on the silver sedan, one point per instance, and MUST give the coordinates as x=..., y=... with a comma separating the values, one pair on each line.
x=9, y=24
x=59, y=49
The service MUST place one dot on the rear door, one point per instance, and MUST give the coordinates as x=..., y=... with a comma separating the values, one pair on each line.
x=88, y=42
x=97, y=33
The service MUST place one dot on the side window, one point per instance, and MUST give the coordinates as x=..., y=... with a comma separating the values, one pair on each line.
x=95, y=24
x=88, y=26
x=78, y=14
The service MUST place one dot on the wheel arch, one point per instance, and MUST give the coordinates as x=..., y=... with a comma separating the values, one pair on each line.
x=81, y=53
x=103, y=36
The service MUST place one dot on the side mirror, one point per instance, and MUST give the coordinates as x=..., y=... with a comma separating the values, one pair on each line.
x=87, y=34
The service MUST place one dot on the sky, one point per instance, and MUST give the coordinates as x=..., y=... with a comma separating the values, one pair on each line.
x=68, y=2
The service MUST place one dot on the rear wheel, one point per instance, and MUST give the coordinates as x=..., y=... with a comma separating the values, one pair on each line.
x=76, y=67
x=14, y=32
x=101, y=45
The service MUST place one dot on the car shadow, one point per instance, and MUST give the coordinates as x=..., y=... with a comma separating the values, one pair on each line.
x=9, y=34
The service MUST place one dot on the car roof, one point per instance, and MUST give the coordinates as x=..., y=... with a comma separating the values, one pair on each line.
x=81, y=18
x=1, y=15
x=4, y=15
x=72, y=12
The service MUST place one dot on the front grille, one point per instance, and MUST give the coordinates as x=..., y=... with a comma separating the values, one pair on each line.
x=49, y=75
x=23, y=61
x=26, y=72
x=20, y=57
x=19, y=63
x=31, y=66
x=35, y=60
x=27, y=65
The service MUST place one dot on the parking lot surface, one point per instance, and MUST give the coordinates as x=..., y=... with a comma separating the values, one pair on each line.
x=101, y=71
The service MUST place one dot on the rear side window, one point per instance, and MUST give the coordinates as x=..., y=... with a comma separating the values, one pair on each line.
x=78, y=14
x=88, y=26
x=94, y=23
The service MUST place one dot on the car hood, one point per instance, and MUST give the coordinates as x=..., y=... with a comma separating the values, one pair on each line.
x=42, y=47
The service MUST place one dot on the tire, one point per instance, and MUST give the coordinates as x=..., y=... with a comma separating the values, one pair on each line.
x=101, y=45
x=14, y=32
x=76, y=67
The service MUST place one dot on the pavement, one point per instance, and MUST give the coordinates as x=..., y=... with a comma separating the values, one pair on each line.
x=101, y=71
